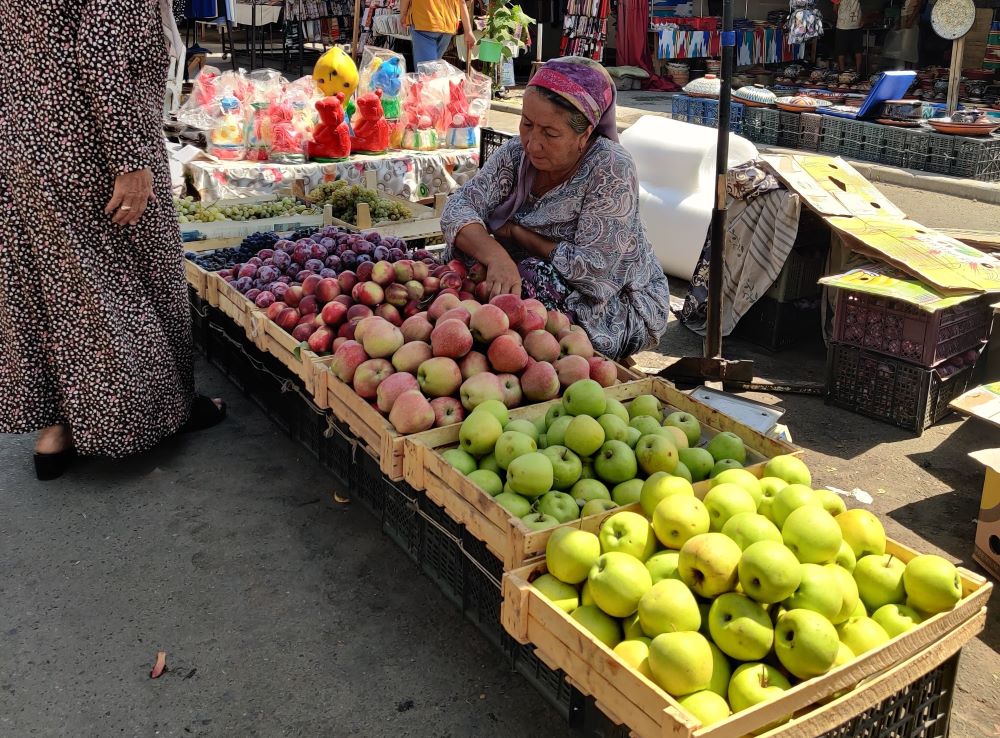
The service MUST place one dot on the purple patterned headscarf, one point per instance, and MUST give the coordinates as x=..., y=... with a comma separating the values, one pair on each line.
x=588, y=87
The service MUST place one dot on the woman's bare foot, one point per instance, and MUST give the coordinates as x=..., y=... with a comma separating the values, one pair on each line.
x=53, y=439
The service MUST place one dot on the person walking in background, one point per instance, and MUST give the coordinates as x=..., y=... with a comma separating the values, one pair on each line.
x=95, y=335
x=847, y=41
x=432, y=25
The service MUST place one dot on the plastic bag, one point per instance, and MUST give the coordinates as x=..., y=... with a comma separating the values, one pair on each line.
x=293, y=120
x=466, y=100
x=227, y=136
x=384, y=70
x=421, y=112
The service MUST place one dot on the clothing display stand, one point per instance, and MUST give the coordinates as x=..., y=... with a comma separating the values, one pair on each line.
x=585, y=28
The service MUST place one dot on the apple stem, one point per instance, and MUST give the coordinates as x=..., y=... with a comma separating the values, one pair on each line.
x=763, y=677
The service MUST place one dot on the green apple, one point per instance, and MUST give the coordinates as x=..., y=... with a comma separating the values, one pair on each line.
x=628, y=532
x=614, y=407
x=596, y=507
x=667, y=607
x=663, y=565
x=585, y=397
x=543, y=441
x=635, y=653
x=862, y=531
x=556, y=411
x=707, y=706
x=845, y=557
x=687, y=423
x=812, y=534
x=741, y=478
x=727, y=445
x=753, y=684
x=586, y=490
x=646, y=405
x=461, y=460
x=523, y=426
x=721, y=669
x=562, y=595
x=682, y=471
x=725, y=501
x=818, y=590
x=570, y=553
x=603, y=627
x=479, y=432
x=615, y=462
x=539, y=521
x=617, y=583
x=656, y=453
x=615, y=429
x=844, y=656
x=646, y=425
x=489, y=463
x=627, y=492
x=631, y=628
x=749, y=527
x=932, y=584
x=848, y=591
x=559, y=505
x=587, y=469
x=724, y=465
x=674, y=434
x=585, y=596
x=513, y=503
x=540, y=425
x=566, y=466
x=490, y=483
x=862, y=634
x=791, y=469
x=704, y=607
x=584, y=435
x=530, y=475
x=511, y=445
x=769, y=487
x=896, y=619
x=632, y=436
x=698, y=461
x=681, y=662
x=556, y=434
x=831, y=501
x=806, y=643
x=660, y=485
x=678, y=518
x=708, y=564
x=880, y=580
x=859, y=611
x=495, y=408
x=791, y=498
x=740, y=627
x=769, y=572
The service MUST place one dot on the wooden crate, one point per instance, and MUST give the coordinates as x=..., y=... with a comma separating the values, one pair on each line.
x=374, y=429
x=230, y=301
x=507, y=537
x=271, y=338
x=198, y=278
x=629, y=698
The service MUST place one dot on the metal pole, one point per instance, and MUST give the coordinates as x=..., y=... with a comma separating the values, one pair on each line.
x=713, y=331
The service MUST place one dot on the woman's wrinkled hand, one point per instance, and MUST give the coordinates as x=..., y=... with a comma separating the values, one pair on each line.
x=133, y=192
x=502, y=277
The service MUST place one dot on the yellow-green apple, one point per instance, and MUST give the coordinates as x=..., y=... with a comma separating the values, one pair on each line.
x=615, y=463
x=660, y=485
x=646, y=405
x=628, y=532
x=789, y=468
x=741, y=478
x=513, y=306
x=539, y=521
x=663, y=565
x=473, y=363
x=676, y=435
x=571, y=369
x=791, y=498
x=556, y=321
x=556, y=433
x=845, y=557
x=541, y=346
x=632, y=436
x=769, y=488
x=656, y=453
x=586, y=490
x=646, y=425
x=849, y=592
x=880, y=580
x=461, y=460
x=566, y=466
x=617, y=583
x=382, y=339
x=603, y=371
x=602, y=626
x=488, y=323
x=681, y=662
x=862, y=531
x=559, y=505
x=726, y=500
x=615, y=407
x=369, y=376
x=755, y=683
x=818, y=590
x=859, y=611
x=723, y=465
x=769, y=572
x=831, y=501
x=862, y=634
x=740, y=627
x=721, y=670
x=514, y=503
x=478, y=433
x=451, y=338
x=584, y=435
x=708, y=564
x=506, y=355
x=596, y=507
x=539, y=382
x=510, y=385
x=748, y=527
x=522, y=426
x=480, y=388
x=631, y=628
x=571, y=553
x=530, y=475
x=707, y=706
x=584, y=397
x=439, y=376
x=727, y=445
x=512, y=444
x=844, y=656
x=410, y=356
x=615, y=429
x=896, y=619
x=678, y=518
x=806, y=643
x=812, y=534
x=932, y=584
x=576, y=344
x=698, y=461
x=688, y=424
x=392, y=387
x=417, y=328
x=585, y=596
x=635, y=653
x=489, y=481
x=489, y=463
x=627, y=492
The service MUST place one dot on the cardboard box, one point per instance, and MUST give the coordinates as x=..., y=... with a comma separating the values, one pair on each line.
x=987, y=548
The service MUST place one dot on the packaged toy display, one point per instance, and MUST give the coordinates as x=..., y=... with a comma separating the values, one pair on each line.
x=331, y=139
x=336, y=72
x=371, y=130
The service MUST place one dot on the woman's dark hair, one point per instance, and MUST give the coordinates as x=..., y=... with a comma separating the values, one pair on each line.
x=577, y=121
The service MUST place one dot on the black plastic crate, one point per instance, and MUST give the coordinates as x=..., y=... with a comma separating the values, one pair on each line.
x=778, y=325
x=368, y=485
x=679, y=107
x=337, y=454
x=889, y=389
x=978, y=158
x=441, y=555
x=831, y=135
x=227, y=349
x=940, y=154
x=760, y=125
x=895, y=148
x=812, y=127
x=483, y=576
x=199, y=320
x=490, y=140
x=401, y=519
x=799, y=276
x=789, y=129
x=550, y=683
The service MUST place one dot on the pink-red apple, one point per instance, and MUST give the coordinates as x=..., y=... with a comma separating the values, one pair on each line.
x=439, y=376
x=571, y=369
x=451, y=338
x=396, y=294
x=488, y=323
x=480, y=388
x=411, y=413
x=382, y=339
x=507, y=355
x=541, y=345
x=447, y=410
x=359, y=311
x=513, y=306
x=577, y=344
x=346, y=360
x=333, y=313
x=441, y=305
x=369, y=376
x=603, y=371
x=392, y=387
x=473, y=363
x=511, y=386
x=410, y=356
x=321, y=340
x=417, y=328
x=539, y=382
x=310, y=283
x=383, y=273
x=456, y=313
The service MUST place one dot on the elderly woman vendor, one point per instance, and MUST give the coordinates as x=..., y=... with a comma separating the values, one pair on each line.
x=554, y=214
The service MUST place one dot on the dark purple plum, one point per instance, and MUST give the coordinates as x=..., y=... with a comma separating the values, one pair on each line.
x=327, y=273
x=267, y=273
x=256, y=261
x=243, y=284
x=395, y=254
x=374, y=237
x=265, y=254
x=380, y=253
x=318, y=251
x=422, y=254
x=303, y=274
x=313, y=265
x=281, y=259
x=279, y=290
x=285, y=279
x=349, y=259
x=363, y=258
x=284, y=245
x=332, y=262
x=264, y=299
x=363, y=247
x=300, y=254
x=252, y=294
x=248, y=270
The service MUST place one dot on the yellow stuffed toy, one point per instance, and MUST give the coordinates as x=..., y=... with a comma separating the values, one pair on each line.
x=335, y=72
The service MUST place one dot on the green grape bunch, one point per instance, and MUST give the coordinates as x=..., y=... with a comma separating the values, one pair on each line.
x=343, y=200
x=191, y=211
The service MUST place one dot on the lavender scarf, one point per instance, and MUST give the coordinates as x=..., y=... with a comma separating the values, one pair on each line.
x=588, y=87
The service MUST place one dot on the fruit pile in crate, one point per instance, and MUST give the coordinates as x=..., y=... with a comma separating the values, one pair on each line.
x=743, y=605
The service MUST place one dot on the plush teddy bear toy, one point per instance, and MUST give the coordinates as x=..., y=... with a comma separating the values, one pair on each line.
x=332, y=139
x=371, y=130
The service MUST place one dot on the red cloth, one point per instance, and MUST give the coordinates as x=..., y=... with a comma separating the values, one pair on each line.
x=632, y=46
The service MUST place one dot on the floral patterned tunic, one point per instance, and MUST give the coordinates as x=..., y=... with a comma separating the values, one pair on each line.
x=618, y=293
x=94, y=322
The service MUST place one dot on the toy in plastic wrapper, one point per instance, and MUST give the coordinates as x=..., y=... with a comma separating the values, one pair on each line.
x=226, y=138
x=331, y=139
x=336, y=72
x=420, y=114
x=267, y=87
x=463, y=125
x=371, y=129
x=383, y=70
x=293, y=120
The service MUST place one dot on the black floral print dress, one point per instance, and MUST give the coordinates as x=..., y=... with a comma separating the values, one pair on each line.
x=94, y=325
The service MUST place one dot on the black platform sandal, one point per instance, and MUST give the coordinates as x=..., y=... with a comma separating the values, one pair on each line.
x=204, y=414
x=53, y=466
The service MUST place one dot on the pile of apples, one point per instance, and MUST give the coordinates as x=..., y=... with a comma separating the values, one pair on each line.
x=431, y=368
x=588, y=454
x=726, y=602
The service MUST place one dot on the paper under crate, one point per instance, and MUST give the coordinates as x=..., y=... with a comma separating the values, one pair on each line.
x=986, y=551
x=629, y=698
x=507, y=537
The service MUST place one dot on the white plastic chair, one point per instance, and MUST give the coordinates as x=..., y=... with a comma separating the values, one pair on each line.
x=177, y=53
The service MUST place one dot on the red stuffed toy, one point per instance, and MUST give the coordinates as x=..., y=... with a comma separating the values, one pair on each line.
x=332, y=138
x=371, y=129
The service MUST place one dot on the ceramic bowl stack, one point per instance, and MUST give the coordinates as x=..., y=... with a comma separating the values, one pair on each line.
x=707, y=86
x=800, y=104
x=756, y=96
x=966, y=123
x=901, y=113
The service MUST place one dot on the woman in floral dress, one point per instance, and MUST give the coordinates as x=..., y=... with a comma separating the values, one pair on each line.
x=95, y=342
x=554, y=213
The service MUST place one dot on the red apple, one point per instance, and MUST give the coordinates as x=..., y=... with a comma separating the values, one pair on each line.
x=513, y=306
x=477, y=273
x=347, y=280
x=507, y=355
x=414, y=290
x=390, y=313
x=293, y=296
x=411, y=413
x=310, y=283
x=321, y=340
x=417, y=328
x=473, y=363
x=346, y=360
x=333, y=313
x=369, y=376
x=451, y=281
x=539, y=382
x=441, y=305
x=396, y=294
x=364, y=271
x=458, y=267
x=431, y=284
x=456, y=313
x=451, y=338
x=447, y=410
x=571, y=368
x=309, y=305
x=404, y=270
x=420, y=271
x=288, y=318
x=511, y=385
x=359, y=311
x=327, y=290
x=303, y=331
x=383, y=273
x=392, y=387
x=603, y=371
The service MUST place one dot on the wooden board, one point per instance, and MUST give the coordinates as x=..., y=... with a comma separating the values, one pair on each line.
x=197, y=278
x=230, y=301
x=271, y=338
x=631, y=699
x=507, y=537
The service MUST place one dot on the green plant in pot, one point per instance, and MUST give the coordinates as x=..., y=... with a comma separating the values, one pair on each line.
x=504, y=35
